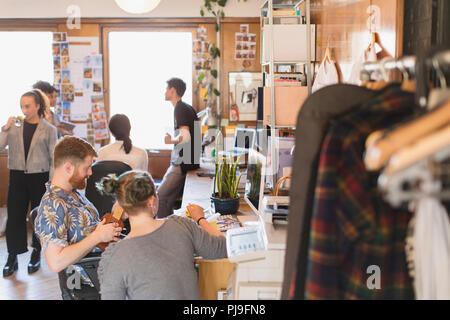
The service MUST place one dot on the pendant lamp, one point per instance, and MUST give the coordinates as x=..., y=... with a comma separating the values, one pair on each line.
x=137, y=6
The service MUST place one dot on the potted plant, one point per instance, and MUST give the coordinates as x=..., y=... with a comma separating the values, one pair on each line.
x=225, y=196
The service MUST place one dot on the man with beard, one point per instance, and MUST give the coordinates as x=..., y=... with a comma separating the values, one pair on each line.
x=67, y=224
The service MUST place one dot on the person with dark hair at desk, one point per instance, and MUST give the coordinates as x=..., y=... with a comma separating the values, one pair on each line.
x=187, y=147
x=30, y=155
x=156, y=259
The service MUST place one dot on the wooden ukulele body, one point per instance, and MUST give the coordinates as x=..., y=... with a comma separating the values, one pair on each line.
x=110, y=219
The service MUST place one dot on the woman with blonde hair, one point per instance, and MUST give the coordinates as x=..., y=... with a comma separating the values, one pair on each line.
x=30, y=142
x=156, y=259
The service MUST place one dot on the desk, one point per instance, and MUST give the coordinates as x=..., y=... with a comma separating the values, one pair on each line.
x=213, y=274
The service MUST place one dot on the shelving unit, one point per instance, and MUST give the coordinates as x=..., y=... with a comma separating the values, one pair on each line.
x=295, y=47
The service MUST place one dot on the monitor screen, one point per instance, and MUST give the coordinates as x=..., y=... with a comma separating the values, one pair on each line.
x=244, y=138
x=261, y=140
x=254, y=186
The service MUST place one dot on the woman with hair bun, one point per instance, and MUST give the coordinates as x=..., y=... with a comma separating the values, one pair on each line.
x=123, y=149
x=30, y=160
x=156, y=259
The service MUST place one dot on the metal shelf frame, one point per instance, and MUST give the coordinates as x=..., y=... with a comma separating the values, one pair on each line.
x=270, y=5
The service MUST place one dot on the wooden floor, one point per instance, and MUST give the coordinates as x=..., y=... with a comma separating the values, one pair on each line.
x=42, y=285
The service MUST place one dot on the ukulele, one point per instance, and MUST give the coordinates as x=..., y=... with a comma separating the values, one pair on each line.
x=116, y=216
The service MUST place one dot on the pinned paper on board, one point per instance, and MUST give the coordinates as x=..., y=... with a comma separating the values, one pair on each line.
x=245, y=44
x=244, y=95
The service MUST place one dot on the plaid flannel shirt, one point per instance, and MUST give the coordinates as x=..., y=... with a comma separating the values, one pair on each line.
x=352, y=227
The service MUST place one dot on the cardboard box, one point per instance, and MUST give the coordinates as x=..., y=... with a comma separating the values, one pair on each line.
x=288, y=102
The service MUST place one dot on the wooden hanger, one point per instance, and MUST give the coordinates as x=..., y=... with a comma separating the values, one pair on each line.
x=328, y=54
x=383, y=54
x=381, y=84
x=422, y=149
x=375, y=39
x=407, y=83
x=372, y=43
x=380, y=150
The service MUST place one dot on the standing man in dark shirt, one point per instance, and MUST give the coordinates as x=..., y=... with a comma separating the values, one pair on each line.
x=186, y=152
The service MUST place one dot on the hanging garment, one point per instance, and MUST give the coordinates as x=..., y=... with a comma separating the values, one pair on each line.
x=355, y=74
x=431, y=251
x=353, y=230
x=312, y=123
x=326, y=75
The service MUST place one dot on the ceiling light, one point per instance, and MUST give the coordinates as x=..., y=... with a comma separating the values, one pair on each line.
x=137, y=6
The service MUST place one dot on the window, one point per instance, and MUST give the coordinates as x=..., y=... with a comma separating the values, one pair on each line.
x=140, y=63
x=25, y=58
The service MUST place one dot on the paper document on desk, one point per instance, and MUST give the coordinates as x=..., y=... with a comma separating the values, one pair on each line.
x=227, y=222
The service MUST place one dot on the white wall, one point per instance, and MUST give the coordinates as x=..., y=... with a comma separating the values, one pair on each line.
x=108, y=8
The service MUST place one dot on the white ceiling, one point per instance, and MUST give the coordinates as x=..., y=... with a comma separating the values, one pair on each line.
x=108, y=8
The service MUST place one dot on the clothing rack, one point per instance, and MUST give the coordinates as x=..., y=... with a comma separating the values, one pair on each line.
x=404, y=64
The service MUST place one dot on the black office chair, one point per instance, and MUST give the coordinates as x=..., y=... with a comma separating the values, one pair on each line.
x=100, y=169
x=84, y=291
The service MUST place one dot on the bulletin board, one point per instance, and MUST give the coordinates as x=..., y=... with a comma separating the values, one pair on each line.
x=78, y=76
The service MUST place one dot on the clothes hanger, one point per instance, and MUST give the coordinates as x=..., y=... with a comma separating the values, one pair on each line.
x=418, y=171
x=328, y=53
x=419, y=150
x=378, y=85
x=408, y=84
x=380, y=150
x=439, y=72
x=377, y=40
x=383, y=54
x=371, y=44
x=423, y=179
x=439, y=95
x=422, y=71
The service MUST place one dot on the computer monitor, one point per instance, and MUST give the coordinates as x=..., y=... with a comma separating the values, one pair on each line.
x=283, y=158
x=254, y=186
x=261, y=139
x=244, y=139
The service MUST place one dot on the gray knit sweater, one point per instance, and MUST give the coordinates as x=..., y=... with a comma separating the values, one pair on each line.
x=159, y=265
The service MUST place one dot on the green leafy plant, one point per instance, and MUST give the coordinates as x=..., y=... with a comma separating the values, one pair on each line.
x=226, y=180
x=216, y=8
x=254, y=171
x=208, y=78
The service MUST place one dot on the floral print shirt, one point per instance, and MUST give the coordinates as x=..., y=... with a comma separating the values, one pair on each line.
x=64, y=218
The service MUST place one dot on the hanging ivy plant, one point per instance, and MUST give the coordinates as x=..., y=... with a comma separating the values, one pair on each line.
x=216, y=8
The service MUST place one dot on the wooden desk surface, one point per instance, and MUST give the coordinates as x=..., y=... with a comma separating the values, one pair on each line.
x=213, y=274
